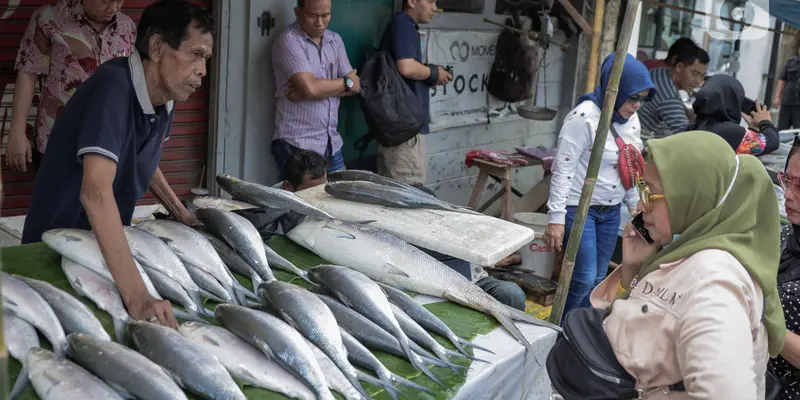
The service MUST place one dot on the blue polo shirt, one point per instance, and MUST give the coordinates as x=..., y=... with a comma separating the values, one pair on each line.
x=405, y=42
x=110, y=115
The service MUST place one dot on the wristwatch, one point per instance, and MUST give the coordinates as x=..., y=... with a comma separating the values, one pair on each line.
x=348, y=83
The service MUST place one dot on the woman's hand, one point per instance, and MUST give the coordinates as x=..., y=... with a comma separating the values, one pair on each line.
x=635, y=249
x=554, y=237
x=761, y=113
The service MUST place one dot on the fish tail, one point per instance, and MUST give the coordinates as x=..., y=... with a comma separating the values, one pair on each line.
x=239, y=290
x=459, y=341
x=20, y=384
x=504, y=319
x=518, y=315
x=256, y=280
x=304, y=275
x=208, y=313
x=441, y=352
x=214, y=297
x=405, y=382
x=385, y=382
x=452, y=353
x=353, y=377
x=418, y=363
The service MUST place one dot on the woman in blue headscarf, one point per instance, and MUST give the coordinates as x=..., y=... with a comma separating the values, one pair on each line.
x=569, y=172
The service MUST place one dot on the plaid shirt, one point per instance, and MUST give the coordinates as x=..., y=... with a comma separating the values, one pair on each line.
x=63, y=48
x=308, y=124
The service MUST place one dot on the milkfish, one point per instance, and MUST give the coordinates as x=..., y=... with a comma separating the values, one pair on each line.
x=269, y=197
x=241, y=235
x=388, y=196
x=388, y=259
x=56, y=378
x=19, y=336
x=24, y=302
x=232, y=259
x=277, y=261
x=221, y=204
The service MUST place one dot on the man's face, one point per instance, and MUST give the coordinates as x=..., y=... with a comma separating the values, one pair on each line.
x=308, y=182
x=690, y=76
x=182, y=70
x=314, y=17
x=102, y=11
x=423, y=10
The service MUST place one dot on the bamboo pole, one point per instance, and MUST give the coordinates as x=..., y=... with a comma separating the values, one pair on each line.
x=594, y=56
x=3, y=351
x=594, y=162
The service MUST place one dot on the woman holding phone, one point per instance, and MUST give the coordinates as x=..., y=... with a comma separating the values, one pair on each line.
x=569, y=172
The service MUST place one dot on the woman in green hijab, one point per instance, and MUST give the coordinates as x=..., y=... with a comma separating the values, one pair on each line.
x=700, y=304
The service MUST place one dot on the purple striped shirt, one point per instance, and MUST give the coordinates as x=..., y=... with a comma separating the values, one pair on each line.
x=308, y=124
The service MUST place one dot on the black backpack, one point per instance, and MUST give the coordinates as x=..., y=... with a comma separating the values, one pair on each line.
x=393, y=113
x=514, y=67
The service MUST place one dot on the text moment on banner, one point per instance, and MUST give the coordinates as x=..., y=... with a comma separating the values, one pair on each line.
x=465, y=100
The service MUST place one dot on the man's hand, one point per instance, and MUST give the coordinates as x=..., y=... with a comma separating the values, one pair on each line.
x=554, y=237
x=189, y=219
x=444, y=76
x=356, y=82
x=292, y=93
x=761, y=113
x=144, y=307
x=776, y=103
x=18, y=151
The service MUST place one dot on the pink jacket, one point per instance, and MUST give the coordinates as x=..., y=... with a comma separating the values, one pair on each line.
x=696, y=320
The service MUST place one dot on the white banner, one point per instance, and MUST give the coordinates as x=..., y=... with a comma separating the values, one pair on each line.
x=465, y=100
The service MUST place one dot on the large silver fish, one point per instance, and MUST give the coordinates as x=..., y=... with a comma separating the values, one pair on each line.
x=425, y=318
x=20, y=336
x=123, y=369
x=388, y=259
x=155, y=255
x=357, y=291
x=278, y=341
x=21, y=300
x=277, y=261
x=56, y=378
x=81, y=246
x=265, y=196
x=360, y=355
x=194, y=369
x=195, y=251
x=311, y=317
x=243, y=361
x=233, y=260
x=241, y=235
x=71, y=312
x=334, y=377
x=101, y=291
x=221, y=204
x=388, y=196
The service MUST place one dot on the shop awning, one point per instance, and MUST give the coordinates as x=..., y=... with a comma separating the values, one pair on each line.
x=787, y=11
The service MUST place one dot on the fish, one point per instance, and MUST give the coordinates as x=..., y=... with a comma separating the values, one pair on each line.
x=241, y=235
x=221, y=204
x=372, y=335
x=173, y=291
x=387, y=259
x=311, y=317
x=373, y=193
x=155, y=255
x=195, y=251
x=193, y=369
x=232, y=259
x=81, y=246
x=101, y=291
x=360, y=355
x=243, y=361
x=24, y=302
x=278, y=341
x=421, y=336
x=425, y=318
x=71, y=312
x=334, y=377
x=56, y=378
x=268, y=197
x=19, y=336
x=123, y=369
x=277, y=261
x=360, y=293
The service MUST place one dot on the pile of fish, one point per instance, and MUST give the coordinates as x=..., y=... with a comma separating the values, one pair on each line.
x=304, y=343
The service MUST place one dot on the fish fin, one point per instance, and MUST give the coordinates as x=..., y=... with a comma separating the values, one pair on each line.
x=452, y=353
x=394, y=269
x=338, y=233
x=405, y=382
x=212, y=296
x=470, y=344
x=353, y=379
x=207, y=312
x=386, y=383
x=441, y=354
x=345, y=300
x=417, y=362
x=365, y=222
x=518, y=315
x=506, y=321
x=20, y=384
x=304, y=275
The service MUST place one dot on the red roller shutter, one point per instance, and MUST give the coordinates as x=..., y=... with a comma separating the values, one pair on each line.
x=184, y=156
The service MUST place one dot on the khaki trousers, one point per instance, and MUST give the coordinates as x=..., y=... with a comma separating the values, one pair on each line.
x=406, y=162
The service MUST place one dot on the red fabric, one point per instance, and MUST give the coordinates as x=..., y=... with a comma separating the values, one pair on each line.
x=495, y=156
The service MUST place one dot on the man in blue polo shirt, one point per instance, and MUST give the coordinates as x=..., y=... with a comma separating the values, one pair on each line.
x=106, y=144
x=407, y=162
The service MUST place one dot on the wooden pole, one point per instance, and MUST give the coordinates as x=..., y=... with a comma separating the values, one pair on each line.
x=594, y=162
x=597, y=33
x=3, y=351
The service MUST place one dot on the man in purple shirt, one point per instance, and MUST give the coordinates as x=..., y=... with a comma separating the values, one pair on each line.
x=311, y=73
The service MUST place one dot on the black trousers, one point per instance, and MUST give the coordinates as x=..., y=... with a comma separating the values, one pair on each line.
x=789, y=117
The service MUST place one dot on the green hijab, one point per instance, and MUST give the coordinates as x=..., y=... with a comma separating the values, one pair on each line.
x=696, y=170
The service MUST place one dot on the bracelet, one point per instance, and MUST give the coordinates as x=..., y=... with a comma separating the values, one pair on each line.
x=434, y=75
x=621, y=288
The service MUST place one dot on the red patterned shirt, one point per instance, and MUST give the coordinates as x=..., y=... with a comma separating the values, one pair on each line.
x=63, y=48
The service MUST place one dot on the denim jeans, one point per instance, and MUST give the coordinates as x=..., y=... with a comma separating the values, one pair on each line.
x=282, y=150
x=508, y=293
x=594, y=252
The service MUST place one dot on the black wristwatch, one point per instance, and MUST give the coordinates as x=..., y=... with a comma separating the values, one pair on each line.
x=348, y=83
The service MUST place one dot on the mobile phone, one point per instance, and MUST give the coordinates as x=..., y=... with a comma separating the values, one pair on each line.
x=638, y=224
x=748, y=106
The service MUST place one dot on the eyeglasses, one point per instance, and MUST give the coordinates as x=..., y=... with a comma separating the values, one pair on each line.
x=645, y=195
x=787, y=181
x=637, y=98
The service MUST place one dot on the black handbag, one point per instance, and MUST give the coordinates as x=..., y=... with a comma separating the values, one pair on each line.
x=582, y=364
